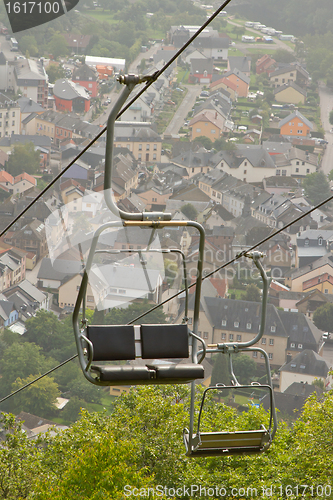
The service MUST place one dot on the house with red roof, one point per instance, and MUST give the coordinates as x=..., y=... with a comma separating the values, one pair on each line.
x=226, y=84
x=266, y=64
x=208, y=123
x=201, y=71
x=22, y=182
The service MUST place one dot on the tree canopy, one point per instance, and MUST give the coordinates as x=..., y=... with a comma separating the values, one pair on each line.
x=323, y=317
x=316, y=187
x=189, y=211
x=23, y=158
x=140, y=445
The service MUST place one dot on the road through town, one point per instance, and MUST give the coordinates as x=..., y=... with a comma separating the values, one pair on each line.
x=326, y=105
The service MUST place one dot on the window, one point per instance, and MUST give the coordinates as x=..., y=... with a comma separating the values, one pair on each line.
x=284, y=172
x=122, y=291
x=299, y=131
x=213, y=131
x=306, y=242
x=154, y=156
x=271, y=341
x=139, y=156
x=248, y=326
x=198, y=130
x=190, y=321
x=278, y=172
x=140, y=147
x=224, y=322
x=320, y=241
x=270, y=355
x=231, y=336
x=263, y=340
x=155, y=147
x=223, y=336
x=307, y=170
x=255, y=354
x=297, y=170
x=239, y=338
x=147, y=147
x=236, y=324
x=205, y=335
x=262, y=355
x=297, y=163
x=78, y=288
x=245, y=171
x=13, y=123
x=90, y=298
x=300, y=346
x=292, y=345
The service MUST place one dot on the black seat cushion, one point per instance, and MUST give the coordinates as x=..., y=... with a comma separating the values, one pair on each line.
x=178, y=371
x=112, y=342
x=164, y=341
x=126, y=373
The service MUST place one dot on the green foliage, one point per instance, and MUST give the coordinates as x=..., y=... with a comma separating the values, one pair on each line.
x=38, y=399
x=53, y=336
x=55, y=72
x=23, y=158
x=123, y=316
x=323, y=317
x=331, y=120
x=204, y=142
x=316, y=187
x=220, y=373
x=189, y=211
x=244, y=368
x=283, y=56
x=58, y=46
x=19, y=460
x=252, y=293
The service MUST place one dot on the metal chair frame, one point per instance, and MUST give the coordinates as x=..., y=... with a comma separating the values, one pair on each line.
x=223, y=442
x=154, y=220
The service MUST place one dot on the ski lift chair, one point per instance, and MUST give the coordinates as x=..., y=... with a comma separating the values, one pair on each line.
x=114, y=343
x=242, y=442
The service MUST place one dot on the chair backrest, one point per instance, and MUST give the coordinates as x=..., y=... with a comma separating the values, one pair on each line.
x=117, y=342
x=112, y=343
x=164, y=341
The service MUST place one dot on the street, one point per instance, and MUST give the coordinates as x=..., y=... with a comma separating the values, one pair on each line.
x=326, y=105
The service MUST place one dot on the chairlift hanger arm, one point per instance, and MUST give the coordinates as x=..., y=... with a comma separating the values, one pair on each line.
x=129, y=81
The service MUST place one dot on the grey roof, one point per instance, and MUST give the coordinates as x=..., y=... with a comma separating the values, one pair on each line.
x=295, y=114
x=244, y=312
x=322, y=261
x=199, y=66
x=242, y=63
x=287, y=69
x=29, y=69
x=32, y=291
x=292, y=85
x=211, y=42
x=300, y=328
x=59, y=270
x=84, y=73
x=66, y=89
x=238, y=73
x=37, y=140
x=300, y=389
x=130, y=278
x=135, y=133
x=307, y=362
x=29, y=106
